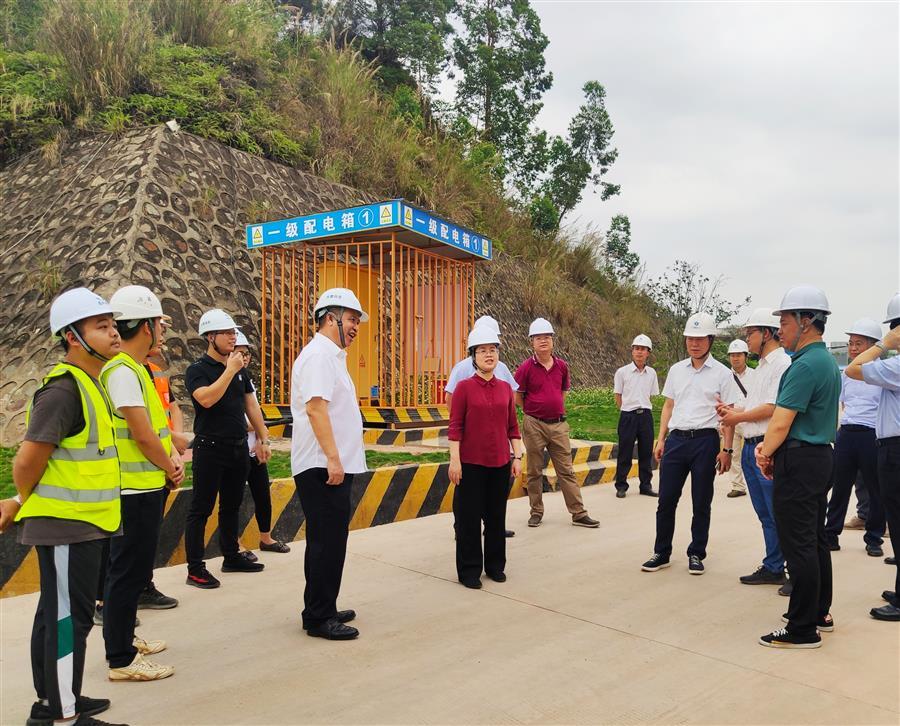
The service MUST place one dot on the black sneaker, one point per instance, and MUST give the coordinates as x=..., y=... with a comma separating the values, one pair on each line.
x=98, y=617
x=249, y=556
x=657, y=562
x=763, y=576
x=91, y=721
x=695, y=566
x=42, y=716
x=153, y=599
x=203, y=579
x=241, y=564
x=826, y=624
x=648, y=493
x=783, y=639
x=787, y=588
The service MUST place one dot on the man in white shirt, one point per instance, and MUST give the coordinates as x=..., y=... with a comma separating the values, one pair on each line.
x=693, y=388
x=761, y=334
x=465, y=368
x=633, y=384
x=743, y=374
x=326, y=451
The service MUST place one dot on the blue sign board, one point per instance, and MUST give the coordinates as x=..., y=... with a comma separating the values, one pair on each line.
x=367, y=218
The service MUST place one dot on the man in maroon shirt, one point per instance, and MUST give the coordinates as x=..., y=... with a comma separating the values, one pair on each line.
x=543, y=380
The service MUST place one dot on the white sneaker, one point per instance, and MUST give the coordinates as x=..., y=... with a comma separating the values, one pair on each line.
x=149, y=647
x=141, y=669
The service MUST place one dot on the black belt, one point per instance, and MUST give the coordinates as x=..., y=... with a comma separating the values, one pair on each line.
x=638, y=411
x=798, y=444
x=753, y=439
x=856, y=427
x=693, y=433
x=219, y=440
x=560, y=419
x=889, y=441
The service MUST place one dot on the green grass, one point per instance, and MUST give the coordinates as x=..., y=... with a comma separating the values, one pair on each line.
x=592, y=414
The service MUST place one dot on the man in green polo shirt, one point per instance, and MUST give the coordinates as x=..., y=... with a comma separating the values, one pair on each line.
x=797, y=453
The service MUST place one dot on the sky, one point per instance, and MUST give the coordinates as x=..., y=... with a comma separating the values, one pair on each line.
x=759, y=140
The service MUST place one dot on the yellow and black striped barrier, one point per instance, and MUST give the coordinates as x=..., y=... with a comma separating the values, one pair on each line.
x=431, y=436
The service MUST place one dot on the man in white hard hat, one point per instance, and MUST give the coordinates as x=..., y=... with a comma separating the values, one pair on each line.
x=689, y=441
x=743, y=374
x=796, y=452
x=761, y=336
x=855, y=449
x=147, y=460
x=224, y=400
x=68, y=456
x=633, y=385
x=543, y=380
x=326, y=452
x=885, y=374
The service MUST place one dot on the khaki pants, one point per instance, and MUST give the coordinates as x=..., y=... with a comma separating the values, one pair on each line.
x=736, y=474
x=537, y=436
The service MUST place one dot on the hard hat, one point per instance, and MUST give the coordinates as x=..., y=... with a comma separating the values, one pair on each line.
x=865, y=327
x=488, y=321
x=241, y=340
x=699, y=325
x=893, y=310
x=804, y=297
x=74, y=305
x=135, y=302
x=215, y=319
x=763, y=318
x=340, y=297
x=737, y=346
x=540, y=326
x=482, y=335
x=642, y=340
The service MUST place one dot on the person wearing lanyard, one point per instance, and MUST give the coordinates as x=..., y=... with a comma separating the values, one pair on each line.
x=483, y=428
x=743, y=375
x=633, y=385
x=796, y=453
x=886, y=375
x=693, y=388
x=855, y=449
x=543, y=381
x=761, y=335
x=326, y=452
x=222, y=395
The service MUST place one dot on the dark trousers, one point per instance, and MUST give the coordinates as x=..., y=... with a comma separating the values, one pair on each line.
x=327, y=511
x=802, y=479
x=635, y=426
x=258, y=481
x=62, y=622
x=480, y=496
x=889, y=488
x=683, y=456
x=855, y=452
x=104, y=568
x=219, y=468
x=131, y=558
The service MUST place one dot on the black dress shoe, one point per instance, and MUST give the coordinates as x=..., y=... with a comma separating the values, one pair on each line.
x=649, y=493
x=497, y=576
x=834, y=547
x=874, y=551
x=620, y=493
x=509, y=533
x=890, y=613
x=241, y=564
x=890, y=560
x=332, y=629
x=472, y=584
x=889, y=596
x=342, y=616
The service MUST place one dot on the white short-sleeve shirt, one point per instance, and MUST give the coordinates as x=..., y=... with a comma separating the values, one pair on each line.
x=124, y=390
x=464, y=369
x=635, y=386
x=763, y=389
x=320, y=371
x=696, y=391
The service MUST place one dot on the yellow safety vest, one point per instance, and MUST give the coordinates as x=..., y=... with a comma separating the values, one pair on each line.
x=81, y=481
x=138, y=473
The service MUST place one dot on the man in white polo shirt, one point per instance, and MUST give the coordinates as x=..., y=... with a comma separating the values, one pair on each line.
x=738, y=352
x=326, y=451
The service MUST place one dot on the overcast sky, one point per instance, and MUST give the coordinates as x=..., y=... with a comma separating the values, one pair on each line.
x=757, y=139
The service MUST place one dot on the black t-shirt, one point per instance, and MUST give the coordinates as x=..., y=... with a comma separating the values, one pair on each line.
x=225, y=418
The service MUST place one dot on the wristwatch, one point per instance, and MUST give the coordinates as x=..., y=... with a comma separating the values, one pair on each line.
x=880, y=346
x=728, y=451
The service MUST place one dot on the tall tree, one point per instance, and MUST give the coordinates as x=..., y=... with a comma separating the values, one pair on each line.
x=618, y=257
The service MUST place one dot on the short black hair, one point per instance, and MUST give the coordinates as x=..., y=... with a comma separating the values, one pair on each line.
x=894, y=323
x=126, y=331
x=62, y=334
x=819, y=325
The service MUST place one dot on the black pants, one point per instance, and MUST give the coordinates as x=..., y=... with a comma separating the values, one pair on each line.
x=131, y=558
x=219, y=468
x=258, y=481
x=635, y=426
x=62, y=622
x=802, y=479
x=481, y=496
x=855, y=452
x=683, y=456
x=104, y=568
x=327, y=512
x=889, y=488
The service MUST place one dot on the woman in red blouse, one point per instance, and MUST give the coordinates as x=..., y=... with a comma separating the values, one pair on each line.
x=483, y=426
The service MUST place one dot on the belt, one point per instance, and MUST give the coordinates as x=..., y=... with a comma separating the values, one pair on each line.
x=856, y=428
x=219, y=440
x=638, y=411
x=889, y=441
x=693, y=433
x=753, y=440
x=798, y=444
x=559, y=419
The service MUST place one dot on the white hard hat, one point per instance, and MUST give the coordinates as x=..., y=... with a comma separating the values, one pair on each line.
x=893, y=309
x=74, y=305
x=737, y=346
x=241, y=340
x=866, y=327
x=802, y=298
x=642, y=340
x=215, y=319
x=763, y=318
x=135, y=302
x=488, y=321
x=540, y=326
x=482, y=335
x=699, y=325
x=340, y=297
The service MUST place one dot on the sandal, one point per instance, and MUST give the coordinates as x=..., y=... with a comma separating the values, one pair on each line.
x=275, y=547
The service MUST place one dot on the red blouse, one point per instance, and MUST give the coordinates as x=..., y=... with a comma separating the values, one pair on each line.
x=483, y=420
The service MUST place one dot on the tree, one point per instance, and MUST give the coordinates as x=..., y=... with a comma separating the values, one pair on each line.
x=619, y=261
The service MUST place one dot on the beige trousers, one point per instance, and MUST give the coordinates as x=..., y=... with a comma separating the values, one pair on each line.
x=537, y=436
x=736, y=474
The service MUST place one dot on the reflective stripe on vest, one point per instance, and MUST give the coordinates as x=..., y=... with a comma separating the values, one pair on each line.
x=81, y=480
x=138, y=473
